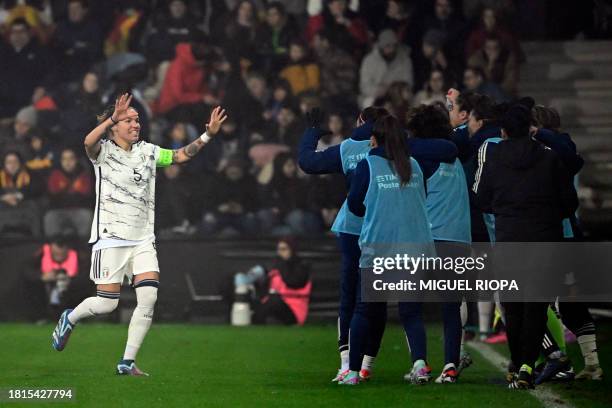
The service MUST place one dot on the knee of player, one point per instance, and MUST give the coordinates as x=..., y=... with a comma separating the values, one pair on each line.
x=146, y=292
x=149, y=297
x=107, y=301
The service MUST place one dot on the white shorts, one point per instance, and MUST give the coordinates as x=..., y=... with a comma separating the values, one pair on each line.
x=111, y=265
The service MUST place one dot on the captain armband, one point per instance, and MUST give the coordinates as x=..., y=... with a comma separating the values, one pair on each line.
x=165, y=158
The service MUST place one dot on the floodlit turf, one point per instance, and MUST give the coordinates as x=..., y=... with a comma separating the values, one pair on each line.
x=214, y=366
x=591, y=394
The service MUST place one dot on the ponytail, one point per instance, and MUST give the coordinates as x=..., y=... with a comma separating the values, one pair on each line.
x=389, y=133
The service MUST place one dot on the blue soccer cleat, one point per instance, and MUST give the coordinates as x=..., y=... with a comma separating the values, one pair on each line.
x=128, y=367
x=557, y=369
x=62, y=331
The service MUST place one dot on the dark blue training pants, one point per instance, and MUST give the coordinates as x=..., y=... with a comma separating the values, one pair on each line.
x=349, y=294
x=349, y=279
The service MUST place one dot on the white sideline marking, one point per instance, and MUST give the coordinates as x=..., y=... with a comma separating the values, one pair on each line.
x=546, y=396
x=601, y=312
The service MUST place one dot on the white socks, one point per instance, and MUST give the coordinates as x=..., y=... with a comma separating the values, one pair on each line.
x=463, y=310
x=344, y=360
x=588, y=347
x=367, y=363
x=104, y=303
x=485, y=309
x=142, y=318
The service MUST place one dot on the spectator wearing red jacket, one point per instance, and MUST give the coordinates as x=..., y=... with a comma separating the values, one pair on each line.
x=51, y=278
x=70, y=191
x=288, y=288
x=185, y=95
x=347, y=30
x=490, y=25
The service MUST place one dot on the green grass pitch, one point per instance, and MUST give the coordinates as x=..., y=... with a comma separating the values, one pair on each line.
x=220, y=366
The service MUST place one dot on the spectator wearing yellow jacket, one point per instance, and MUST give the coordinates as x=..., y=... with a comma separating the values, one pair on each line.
x=301, y=72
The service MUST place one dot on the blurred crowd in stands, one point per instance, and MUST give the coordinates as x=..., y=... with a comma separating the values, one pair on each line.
x=267, y=62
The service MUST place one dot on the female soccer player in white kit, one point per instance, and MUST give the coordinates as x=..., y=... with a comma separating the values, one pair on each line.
x=122, y=231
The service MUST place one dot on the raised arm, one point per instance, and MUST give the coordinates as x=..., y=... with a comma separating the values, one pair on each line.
x=186, y=153
x=309, y=159
x=313, y=162
x=327, y=161
x=121, y=112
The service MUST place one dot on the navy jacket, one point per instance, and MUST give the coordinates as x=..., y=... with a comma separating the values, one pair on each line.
x=468, y=146
x=327, y=161
x=461, y=137
x=564, y=146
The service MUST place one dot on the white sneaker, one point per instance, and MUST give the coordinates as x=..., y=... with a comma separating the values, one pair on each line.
x=340, y=375
x=420, y=373
x=449, y=374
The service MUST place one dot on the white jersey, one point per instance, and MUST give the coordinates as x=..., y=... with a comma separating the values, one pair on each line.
x=125, y=192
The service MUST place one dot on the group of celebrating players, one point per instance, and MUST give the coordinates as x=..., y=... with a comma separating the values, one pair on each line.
x=468, y=171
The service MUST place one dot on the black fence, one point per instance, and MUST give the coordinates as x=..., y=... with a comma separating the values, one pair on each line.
x=196, y=278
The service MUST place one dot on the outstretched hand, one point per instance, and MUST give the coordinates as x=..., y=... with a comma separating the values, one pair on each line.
x=217, y=117
x=122, y=106
x=314, y=117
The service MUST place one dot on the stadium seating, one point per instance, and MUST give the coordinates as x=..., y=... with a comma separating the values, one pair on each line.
x=575, y=78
